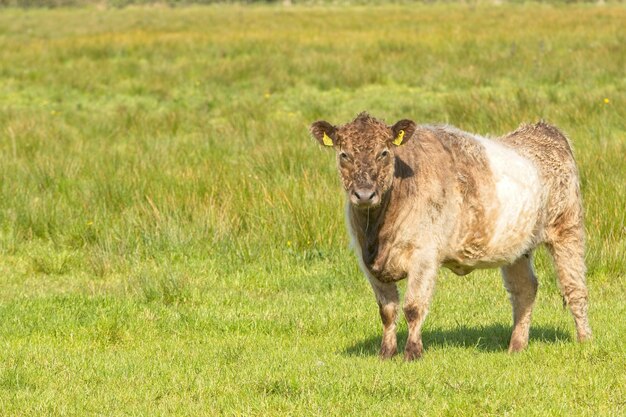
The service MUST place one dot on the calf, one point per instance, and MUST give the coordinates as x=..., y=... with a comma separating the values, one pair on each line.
x=421, y=197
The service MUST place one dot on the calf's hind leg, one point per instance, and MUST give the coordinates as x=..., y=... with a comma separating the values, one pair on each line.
x=568, y=255
x=521, y=283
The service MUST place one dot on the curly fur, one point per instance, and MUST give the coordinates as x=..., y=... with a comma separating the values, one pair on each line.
x=451, y=198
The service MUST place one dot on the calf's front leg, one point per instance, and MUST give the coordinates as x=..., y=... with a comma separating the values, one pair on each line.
x=419, y=292
x=387, y=298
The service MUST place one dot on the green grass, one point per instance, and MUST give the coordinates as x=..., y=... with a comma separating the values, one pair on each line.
x=172, y=241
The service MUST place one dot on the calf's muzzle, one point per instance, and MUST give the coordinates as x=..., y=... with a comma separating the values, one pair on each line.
x=364, y=197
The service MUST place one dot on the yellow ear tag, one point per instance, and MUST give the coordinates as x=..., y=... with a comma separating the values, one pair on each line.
x=398, y=140
x=327, y=141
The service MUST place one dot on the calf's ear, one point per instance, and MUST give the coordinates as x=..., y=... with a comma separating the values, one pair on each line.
x=402, y=131
x=324, y=132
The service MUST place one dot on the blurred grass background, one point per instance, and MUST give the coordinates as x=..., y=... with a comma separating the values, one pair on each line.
x=172, y=241
x=178, y=3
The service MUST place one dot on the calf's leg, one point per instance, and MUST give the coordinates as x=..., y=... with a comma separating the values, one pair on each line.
x=419, y=292
x=387, y=297
x=521, y=283
x=568, y=255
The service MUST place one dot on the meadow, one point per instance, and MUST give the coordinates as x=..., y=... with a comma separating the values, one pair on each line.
x=172, y=240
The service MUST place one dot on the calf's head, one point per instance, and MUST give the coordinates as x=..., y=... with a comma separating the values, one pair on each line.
x=365, y=150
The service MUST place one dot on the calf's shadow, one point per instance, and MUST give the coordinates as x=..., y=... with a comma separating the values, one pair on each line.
x=492, y=338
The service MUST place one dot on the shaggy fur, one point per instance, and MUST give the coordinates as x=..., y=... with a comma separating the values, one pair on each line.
x=448, y=198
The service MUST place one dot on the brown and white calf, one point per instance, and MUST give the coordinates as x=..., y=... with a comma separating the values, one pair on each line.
x=421, y=197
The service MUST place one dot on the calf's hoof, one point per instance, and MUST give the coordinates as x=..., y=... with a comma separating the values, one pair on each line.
x=387, y=351
x=413, y=351
x=517, y=345
x=584, y=335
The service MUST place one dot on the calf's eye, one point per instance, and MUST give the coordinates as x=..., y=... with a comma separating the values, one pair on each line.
x=343, y=155
x=384, y=153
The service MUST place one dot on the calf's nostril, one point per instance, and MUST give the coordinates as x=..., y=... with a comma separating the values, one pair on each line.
x=357, y=195
x=372, y=195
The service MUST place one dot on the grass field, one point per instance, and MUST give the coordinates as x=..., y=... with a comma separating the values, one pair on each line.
x=172, y=240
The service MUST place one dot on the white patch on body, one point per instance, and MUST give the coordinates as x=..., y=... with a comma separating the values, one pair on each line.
x=518, y=190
